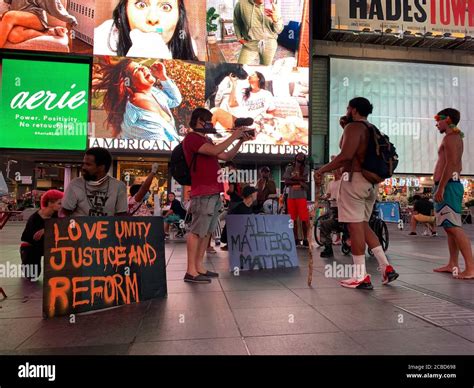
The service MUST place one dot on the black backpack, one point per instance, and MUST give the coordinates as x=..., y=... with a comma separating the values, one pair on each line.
x=381, y=158
x=179, y=168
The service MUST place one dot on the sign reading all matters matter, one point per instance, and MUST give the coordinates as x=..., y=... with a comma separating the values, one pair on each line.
x=261, y=242
x=93, y=263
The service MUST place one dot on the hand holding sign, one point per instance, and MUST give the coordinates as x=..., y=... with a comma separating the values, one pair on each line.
x=38, y=235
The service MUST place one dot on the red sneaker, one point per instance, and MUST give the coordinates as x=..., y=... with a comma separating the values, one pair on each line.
x=360, y=284
x=389, y=275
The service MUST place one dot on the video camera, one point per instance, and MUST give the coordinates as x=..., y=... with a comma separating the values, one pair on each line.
x=245, y=122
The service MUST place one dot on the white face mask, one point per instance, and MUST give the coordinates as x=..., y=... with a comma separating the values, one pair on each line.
x=99, y=182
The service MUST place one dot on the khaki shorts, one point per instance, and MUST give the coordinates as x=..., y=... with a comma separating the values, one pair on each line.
x=356, y=199
x=424, y=219
x=205, y=214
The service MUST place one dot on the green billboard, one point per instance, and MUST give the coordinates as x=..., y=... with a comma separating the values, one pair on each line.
x=44, y=105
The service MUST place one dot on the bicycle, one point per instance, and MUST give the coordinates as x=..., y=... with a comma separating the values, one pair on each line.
x=326, y=214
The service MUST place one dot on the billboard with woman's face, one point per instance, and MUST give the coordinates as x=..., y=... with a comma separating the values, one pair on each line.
x=273, y=101
x=155, y=61
x=143, y=103
x=172, y=29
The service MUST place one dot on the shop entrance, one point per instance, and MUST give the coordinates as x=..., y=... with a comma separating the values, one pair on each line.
x=131, y=173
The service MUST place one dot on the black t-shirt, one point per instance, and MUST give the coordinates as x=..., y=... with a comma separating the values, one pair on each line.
x=34, y=224
x=235, y=195
x=178, y=209
x=423, y=206
x=241, y=208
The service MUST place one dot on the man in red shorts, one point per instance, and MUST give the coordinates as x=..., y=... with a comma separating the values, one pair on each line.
x=296, y=178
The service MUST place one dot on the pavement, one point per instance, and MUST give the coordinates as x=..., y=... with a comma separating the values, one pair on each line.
x=262, y=312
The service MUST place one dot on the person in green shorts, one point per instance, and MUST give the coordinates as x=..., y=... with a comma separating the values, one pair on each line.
x=448, y=193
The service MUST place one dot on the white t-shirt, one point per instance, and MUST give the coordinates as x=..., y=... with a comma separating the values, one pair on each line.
x=257, y=104
x=138, y=209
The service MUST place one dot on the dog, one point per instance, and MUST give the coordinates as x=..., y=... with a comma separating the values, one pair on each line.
x=215, y=74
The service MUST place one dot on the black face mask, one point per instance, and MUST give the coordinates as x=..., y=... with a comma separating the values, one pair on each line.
x=207, y=128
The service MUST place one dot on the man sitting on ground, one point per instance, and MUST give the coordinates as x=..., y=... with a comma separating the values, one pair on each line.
x=249, y=194
x=423, y=213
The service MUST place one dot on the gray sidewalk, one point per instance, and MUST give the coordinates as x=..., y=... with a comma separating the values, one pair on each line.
x=271, y=312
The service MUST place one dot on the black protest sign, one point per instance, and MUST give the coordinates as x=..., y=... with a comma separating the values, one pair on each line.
x=261, y=242
x=93, y=263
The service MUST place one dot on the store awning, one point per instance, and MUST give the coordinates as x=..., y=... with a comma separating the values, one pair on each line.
x=405, y=40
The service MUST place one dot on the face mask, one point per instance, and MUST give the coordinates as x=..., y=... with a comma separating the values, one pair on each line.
x=207, y=128
x=97, y=183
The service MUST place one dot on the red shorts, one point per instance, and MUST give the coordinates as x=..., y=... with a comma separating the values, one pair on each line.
x=298, y=208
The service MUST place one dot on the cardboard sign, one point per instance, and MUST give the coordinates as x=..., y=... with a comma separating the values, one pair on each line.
x=261, y=242
x=93, y=263
x=389, y=211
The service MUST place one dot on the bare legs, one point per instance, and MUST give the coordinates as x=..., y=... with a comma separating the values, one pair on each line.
x=19, y=26
x=223, y=118
x=361, y=234
x=196, y=247
x=458, y=242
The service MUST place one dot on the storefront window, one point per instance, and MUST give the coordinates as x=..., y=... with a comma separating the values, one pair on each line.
x=136, y=172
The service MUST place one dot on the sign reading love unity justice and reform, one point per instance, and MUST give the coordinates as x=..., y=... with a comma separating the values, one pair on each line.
x=46, y=103
x=96, y=262
x=436, y=16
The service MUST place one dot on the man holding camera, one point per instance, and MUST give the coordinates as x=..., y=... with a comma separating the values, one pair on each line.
x=203, y=156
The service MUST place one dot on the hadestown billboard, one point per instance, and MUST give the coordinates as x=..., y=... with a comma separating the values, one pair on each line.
x=438, y=17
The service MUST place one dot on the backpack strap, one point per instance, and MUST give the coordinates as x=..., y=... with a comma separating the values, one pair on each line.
x=194, y=158
x=369, y=127
x=376, y=131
